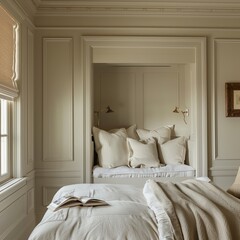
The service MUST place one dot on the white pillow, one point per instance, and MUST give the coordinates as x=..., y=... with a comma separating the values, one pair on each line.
x=142, y=154
x=174, y=151
x=111, y=147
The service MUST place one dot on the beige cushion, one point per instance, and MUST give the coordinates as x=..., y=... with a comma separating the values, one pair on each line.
x=162, y=134
x=174, y=151
x=131, y=131
x=235, y=188
x=111, y=148
x=142, y=154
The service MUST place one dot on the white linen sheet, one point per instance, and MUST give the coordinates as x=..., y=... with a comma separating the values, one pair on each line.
x=126, y=218
x=170, y=170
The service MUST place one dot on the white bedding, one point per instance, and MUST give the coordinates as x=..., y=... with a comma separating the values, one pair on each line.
x=188, y=210
x=170, y=170
x=121, y=220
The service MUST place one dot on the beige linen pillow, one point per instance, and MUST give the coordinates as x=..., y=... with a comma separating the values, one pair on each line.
x=174, y=151
x=142, y=154
x=162, y=134
x=131, y=131
x=111, y=148
x=235, y=188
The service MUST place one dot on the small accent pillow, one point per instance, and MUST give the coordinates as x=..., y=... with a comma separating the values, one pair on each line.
x=111, y=148
x=131, y=132
x=235, y=188
x=142, y=154
x=162, y=134
x=174, y=151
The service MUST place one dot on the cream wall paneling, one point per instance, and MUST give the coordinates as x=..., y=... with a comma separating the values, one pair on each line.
x=162, y=91
x=57, y=99
x=30, y=110
x=47, y=184
x=104, y=49
x=114, y=87
x=225, y=147
x=58, y=115
x=141, y=95
x=227, y=52
x=12, y=219
x=17, y=209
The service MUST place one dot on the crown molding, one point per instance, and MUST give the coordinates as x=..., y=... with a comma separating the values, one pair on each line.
x=132, y=7
x=27, y=8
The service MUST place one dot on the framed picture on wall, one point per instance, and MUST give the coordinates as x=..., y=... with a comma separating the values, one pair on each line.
x=232, y=92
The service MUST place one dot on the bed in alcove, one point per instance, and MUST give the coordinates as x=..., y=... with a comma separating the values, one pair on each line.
x=143, y=80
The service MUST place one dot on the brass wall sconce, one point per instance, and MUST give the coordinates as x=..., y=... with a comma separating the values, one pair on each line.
x=184, y=113
x=105, y=110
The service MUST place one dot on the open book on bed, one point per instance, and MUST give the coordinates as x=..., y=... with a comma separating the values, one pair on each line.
x=71, y=201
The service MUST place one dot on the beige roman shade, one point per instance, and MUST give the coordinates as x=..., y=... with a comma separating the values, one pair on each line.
x=8, y=73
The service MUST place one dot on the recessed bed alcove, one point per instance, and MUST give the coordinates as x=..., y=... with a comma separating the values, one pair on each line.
x=189, y=52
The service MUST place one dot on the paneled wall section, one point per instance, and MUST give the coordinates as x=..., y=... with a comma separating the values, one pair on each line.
x=60, y=172
x=58, y=117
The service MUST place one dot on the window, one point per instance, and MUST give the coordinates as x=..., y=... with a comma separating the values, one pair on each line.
x=8, y=90
x=5, y=146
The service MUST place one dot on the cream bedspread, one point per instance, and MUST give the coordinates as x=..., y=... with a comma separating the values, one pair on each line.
x=189, y=210
x=193, y=210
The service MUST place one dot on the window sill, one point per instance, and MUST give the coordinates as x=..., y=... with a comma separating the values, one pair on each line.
x=11, y=186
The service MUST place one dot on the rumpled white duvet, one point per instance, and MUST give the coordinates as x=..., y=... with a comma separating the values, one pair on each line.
x=189, y=210
x=126, y=217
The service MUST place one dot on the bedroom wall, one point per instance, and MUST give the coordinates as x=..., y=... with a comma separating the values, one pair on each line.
x=59, y=91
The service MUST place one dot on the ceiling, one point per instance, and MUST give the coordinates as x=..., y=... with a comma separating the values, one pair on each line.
x=137, y=7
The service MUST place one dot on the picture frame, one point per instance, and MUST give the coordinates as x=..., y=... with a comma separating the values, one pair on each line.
x=232, y=93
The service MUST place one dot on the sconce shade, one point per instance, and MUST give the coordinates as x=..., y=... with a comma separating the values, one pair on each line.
x=108, y=110
x=176, y=110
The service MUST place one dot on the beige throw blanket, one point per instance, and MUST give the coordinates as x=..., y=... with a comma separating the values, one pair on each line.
x=193, y=210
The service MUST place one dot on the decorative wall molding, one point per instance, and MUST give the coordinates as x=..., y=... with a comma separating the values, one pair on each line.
x=58, y=96
x=47, y=194
x=58, y=173
x=223, y=171
x=47, y=184
x=133, y=7
x=219, y=94
x=30, y=99
x=12, y=219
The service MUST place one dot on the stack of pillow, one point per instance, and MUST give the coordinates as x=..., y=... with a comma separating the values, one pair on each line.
x=138, y=147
